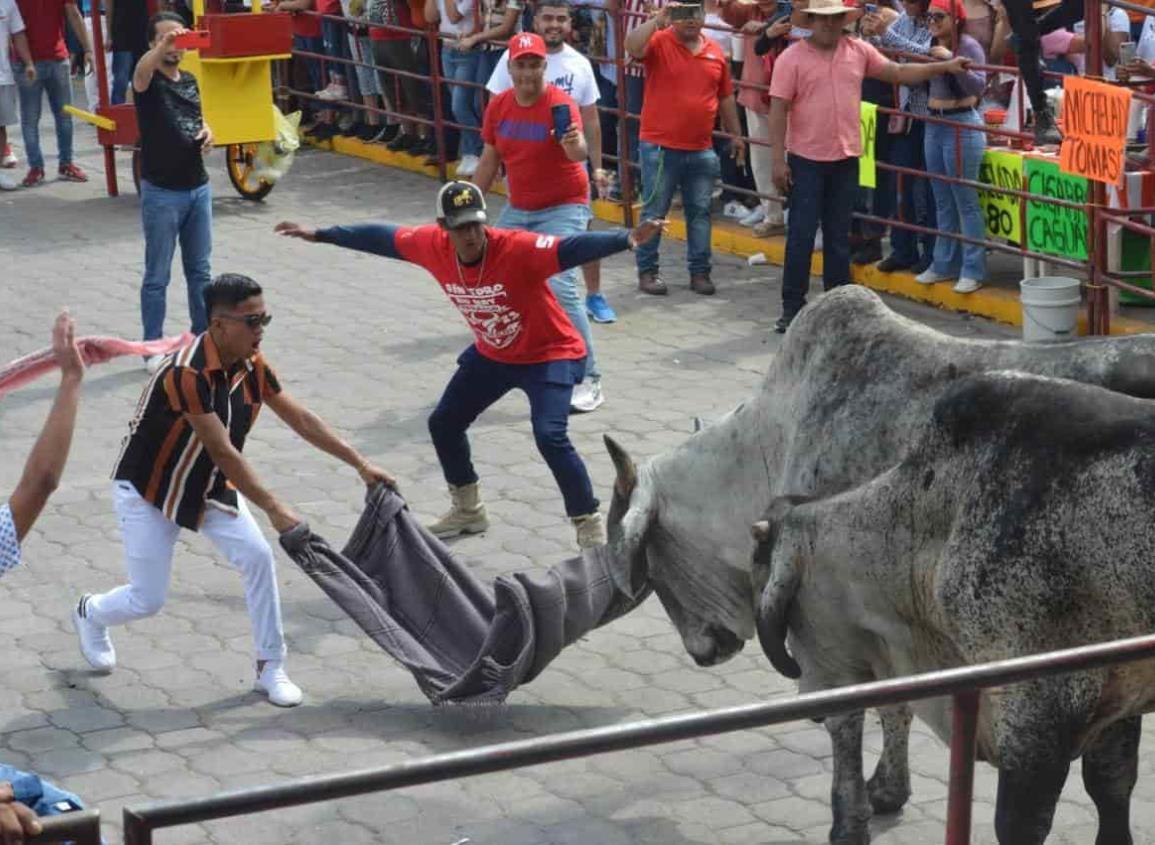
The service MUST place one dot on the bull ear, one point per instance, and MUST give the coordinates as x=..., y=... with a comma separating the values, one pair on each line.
x=760, y=531
x=627, y=472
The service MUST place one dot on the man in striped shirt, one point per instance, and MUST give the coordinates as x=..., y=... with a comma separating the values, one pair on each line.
x=181, y=467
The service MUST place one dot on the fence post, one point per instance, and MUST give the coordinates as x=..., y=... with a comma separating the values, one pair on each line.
x=964, y=728
x=101, y=70
x=625, y=174
x=438, y=112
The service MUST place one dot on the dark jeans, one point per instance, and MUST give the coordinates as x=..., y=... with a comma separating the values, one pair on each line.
x=477, y=384
x=822, y=192
x=313, y=67
x=635, y=89
x=1028, y=30
x=917, y=204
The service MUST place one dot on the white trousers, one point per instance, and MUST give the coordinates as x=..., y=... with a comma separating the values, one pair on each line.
x=149, y=539
x=91, y=90
x=759, y=127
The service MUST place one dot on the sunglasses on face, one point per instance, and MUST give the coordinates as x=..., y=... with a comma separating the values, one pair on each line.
x=253, y=321
x=937, y=17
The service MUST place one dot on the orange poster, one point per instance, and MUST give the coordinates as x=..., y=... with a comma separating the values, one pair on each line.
x=1094, y=129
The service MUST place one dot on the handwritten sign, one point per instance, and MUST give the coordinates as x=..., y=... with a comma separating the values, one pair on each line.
x=868, y=123
x=1094, y=129
x=1051, y=229
x=1001, y=211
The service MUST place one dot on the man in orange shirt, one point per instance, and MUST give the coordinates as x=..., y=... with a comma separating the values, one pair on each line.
x=687, y=86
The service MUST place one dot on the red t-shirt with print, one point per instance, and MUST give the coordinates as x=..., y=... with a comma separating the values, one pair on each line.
x=682, y=92
x=540, y=175
x=44, y=26
x=505, y=298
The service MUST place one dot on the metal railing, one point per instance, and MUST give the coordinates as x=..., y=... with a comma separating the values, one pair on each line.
x=81, y=827
x=962, y=683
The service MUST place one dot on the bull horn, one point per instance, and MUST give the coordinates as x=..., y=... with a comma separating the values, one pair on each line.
x=627, y=472
x=772, y=628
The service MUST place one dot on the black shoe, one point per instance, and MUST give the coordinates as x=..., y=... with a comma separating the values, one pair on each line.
x=427, y=148
x=323, y=132
x=386, y=134
x=350, y=131
x=366, y=132
x=892, y=264
x=782, y=324
x=867, y=253
x=1046, y=133
x=403, y=142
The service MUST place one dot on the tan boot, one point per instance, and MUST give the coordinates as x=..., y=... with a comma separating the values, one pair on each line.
x=591, y=531
x=466, y=516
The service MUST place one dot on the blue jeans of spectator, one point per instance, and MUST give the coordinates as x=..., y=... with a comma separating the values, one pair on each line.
x=461, y=66
x=53, y=79
x=635, y=89
x=664, y=171
x=169, y=217
x=907, y=150
x=334, y=35
x=561, y=220
x=957, y=207
x=487, y=61
x=40, y=796
x=312, y=44
x=478, y=383
x=123, y=63
x=822, y=193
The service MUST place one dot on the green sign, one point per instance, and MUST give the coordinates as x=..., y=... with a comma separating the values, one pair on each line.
x=1052, y=229
x=1001, y=211
x=868, y=125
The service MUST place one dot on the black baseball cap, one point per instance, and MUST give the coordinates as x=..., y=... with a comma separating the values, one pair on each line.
x=460, y=203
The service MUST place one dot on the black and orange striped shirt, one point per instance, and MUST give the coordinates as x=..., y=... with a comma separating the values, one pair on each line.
x=163, y=458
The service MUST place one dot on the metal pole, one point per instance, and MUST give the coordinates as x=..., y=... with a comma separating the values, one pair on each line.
x=81, y=827
x=438, y=113
x=964, y=730
x=97, y=19
x=625, y=172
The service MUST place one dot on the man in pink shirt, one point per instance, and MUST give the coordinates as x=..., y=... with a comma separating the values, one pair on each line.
x=815, y=139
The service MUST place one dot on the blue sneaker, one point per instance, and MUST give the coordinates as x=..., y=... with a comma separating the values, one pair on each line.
x=599, y=309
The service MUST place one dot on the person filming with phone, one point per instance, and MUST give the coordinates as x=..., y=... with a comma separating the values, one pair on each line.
x=535, y=130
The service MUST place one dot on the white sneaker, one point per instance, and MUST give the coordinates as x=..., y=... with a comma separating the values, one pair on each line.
x=587, y=396
x=9, y=183
x=152, y=363
x=467, y=166
x=334, y=91
x=275, y=683
x=818, y=241
x=8, y=159
x=930, y=277
x=734, y=210
x=756, y=216
x=965, y=285
x=95, y=644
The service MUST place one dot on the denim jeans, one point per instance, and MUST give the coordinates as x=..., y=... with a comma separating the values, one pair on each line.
x=957, y=207
x=123, y=64
x=571, y=219
x=635, y=90
x=477, y=384
x=822, y=193
x=664, y=171
x=312, y=44
x=907, y=150
x=169, y=216
x=52, y=78
x=461, y=66
x=334, y=35
x=37, y=794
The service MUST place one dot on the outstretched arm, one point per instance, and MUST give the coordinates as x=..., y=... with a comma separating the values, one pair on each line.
x=378, y=238
x=576, y=250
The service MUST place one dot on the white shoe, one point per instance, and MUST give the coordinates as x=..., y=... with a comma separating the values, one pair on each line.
x=152, y=363
x=95, y=644
x=734, y=210
x=756, y=216
x=591, y=530
x=275, y=683
x=9, y=183
x=930, y=277
x=334, y=91
x=8, y=159
x=818, y=241
x=965, y=285
x=467, y=166
x=587, y=396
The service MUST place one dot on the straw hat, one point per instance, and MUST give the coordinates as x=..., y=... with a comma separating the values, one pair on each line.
x=826, y=8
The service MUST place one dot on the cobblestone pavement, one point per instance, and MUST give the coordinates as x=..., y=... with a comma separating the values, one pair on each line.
x=369, y=344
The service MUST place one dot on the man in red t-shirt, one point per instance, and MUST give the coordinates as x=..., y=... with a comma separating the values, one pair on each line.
x=497, y=280
x=44, y=26
x=687, y=86
x=548, y=187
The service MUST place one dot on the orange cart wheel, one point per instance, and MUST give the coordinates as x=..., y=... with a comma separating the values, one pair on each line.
x=242, y=172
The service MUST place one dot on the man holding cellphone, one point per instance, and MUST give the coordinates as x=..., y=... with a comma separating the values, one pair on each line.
x=535, y=130
x=175, y=198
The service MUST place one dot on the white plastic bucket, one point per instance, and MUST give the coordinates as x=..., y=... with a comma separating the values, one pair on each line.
x=1050, y=307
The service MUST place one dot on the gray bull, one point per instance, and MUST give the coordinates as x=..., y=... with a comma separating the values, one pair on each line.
x=849, y=385
x=1018, y=522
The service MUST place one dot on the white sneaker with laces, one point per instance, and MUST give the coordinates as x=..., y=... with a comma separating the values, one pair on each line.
x=587, y=396
x=152, y=363
x=756, y=216
x=930, y=277
x=468, y=165
x=9, y=182
x=334, y=91
x=274, y=682
x=734, y=210
x=95, y=644
x=965, y=285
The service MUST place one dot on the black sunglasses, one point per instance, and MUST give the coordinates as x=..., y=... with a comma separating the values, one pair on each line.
x=937, y=16
x=250, y=320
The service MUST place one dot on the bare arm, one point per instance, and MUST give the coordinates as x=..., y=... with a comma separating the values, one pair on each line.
x=432, y=13
x=779, y=114
x=316, y=432
x=592, y=127
x=913, y=74
x=500, y=32
x=452, y=13
x=76, y=21
x=487, y=168
x=574, y=144
x=150, y=61
x=20, y=42
x=212, y=433
x=45, y=464
x=637, y=40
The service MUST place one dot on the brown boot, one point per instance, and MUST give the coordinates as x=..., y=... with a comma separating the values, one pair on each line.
x=652, y=284
x=700, y=283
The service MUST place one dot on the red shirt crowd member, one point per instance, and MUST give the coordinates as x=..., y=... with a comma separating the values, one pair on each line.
x=497, y=279
x=44, y=28
x=687, y=86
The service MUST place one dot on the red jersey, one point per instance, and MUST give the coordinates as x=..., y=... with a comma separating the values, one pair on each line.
x=400, y=16
x=540, y=175
x=682, y=92
x=44, y=26
x=307, y=25
x=505, y=298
